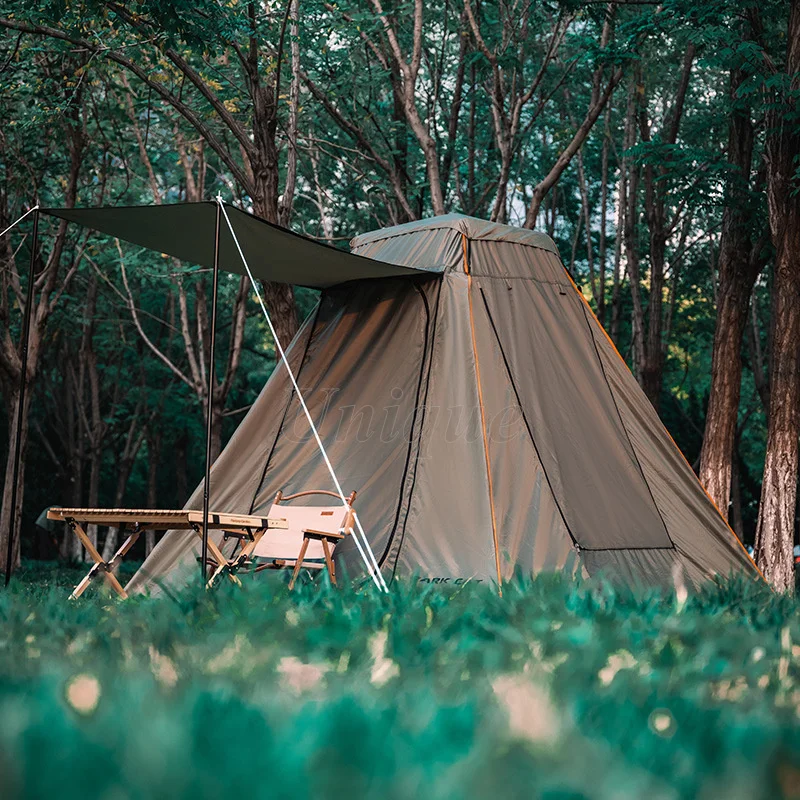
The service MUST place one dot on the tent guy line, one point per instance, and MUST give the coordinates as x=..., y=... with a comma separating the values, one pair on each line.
x=370, y=563
x=17, y=222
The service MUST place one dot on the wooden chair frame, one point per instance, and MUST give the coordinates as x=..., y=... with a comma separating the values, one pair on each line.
x=327, y=538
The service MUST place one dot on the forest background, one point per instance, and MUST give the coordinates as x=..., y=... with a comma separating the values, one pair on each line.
x=657, y=143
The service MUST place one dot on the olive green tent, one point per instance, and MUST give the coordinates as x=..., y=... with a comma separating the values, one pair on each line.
x=462, y=386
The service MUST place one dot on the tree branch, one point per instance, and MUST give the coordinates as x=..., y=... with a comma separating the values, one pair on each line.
x=164, y=94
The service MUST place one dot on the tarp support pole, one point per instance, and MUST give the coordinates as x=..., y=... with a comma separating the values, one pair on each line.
x=23, y=385
x=210, y=396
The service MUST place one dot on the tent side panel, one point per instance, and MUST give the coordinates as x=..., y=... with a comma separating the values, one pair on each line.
x=644, y=568
x=696, y=527
x=531, y=530
x=388, y=556
x=360, y=382
x=448, y=534
x=234, y=477
x=574, y=422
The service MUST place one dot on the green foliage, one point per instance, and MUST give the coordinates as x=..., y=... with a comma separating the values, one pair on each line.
x=50, y=87
x=553, y=690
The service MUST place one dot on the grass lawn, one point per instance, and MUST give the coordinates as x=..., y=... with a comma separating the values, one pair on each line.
x=555, y=690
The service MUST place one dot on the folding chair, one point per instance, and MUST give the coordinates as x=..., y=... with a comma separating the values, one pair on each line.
x=311, y=534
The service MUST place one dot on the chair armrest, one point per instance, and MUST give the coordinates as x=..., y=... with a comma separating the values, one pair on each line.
x=321, y=534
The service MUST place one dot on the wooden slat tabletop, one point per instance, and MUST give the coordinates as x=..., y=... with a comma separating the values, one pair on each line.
x=185, y=519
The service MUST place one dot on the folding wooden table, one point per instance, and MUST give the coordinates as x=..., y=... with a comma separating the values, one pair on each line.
x=248, y=528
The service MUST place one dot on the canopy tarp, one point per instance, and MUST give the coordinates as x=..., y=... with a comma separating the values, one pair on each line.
x=186, y=231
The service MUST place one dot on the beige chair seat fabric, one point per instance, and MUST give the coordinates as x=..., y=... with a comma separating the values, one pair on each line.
x=286, y=543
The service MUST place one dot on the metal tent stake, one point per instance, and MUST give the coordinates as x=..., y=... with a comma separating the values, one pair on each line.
x=23, y=384
x=210, y=395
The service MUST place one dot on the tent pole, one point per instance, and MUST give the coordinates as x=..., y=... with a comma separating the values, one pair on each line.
x=23, y=384
x=210, y=395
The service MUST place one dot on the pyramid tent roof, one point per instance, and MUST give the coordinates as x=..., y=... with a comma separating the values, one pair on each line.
x=471, y=227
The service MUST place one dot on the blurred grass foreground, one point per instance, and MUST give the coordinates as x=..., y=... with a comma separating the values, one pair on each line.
x=556, y=690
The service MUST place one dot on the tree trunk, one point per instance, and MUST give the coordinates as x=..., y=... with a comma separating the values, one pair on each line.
x=737, y=274
x=656, y=190
x=97, y=432
x=93, y=500
x=726, y=378
x=587, y=224
x=431, y=167
x=217, y=409
x=10, y=355
x=471, y=131
x=775, y=533
x=776, y=515
x=278, y=297
x=630, y=233
x=652, y=372
x=506, y=154
x=616, y=296
x=6, y=511
x=757, y=361
x=736, y=521
x=601, y=254
x=73, y=550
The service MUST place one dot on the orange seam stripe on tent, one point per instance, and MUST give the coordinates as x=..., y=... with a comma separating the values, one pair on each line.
x=675, y=444
x=483, y=417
